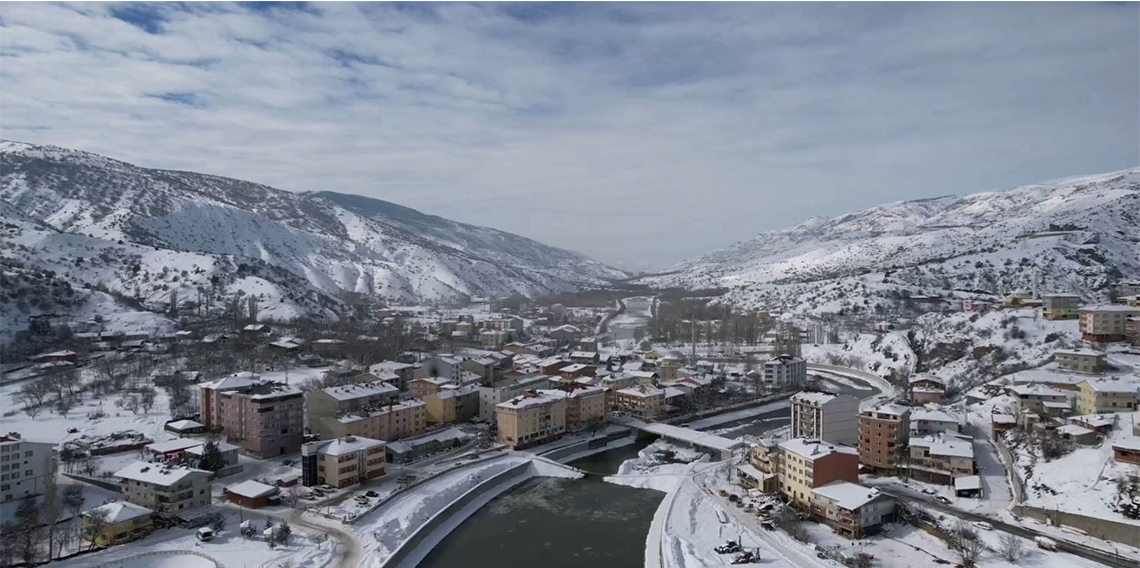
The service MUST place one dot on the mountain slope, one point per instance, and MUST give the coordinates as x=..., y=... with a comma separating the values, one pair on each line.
x=1076, y=235
x=153, y=235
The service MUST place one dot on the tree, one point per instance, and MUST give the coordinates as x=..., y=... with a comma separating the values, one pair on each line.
x=283, y=532
x=131, y=402
x=73, y=498
x=211, y=459
x=319, y=538
x=146, y=398
x=94, y=524
x=26, y=528
x=218, y=523
x=1010, y=547
x=64, y=405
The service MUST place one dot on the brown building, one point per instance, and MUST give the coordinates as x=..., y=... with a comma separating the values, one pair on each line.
x=251, y=494
x=264, y=419
x=390, y=422
x=883, y=435
x=807, y=464
x=1106, y=323
x=1127, y=450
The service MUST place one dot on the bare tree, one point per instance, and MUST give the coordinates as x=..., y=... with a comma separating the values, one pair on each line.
x=969, y=550
x=34, y=393
x=1010, y=547
x=94, y=525
x=146, y=398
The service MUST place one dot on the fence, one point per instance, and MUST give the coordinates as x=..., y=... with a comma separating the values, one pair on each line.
x=1099, y=528
x=104, y=483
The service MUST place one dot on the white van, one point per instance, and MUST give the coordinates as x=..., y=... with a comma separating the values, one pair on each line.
x=205, y=534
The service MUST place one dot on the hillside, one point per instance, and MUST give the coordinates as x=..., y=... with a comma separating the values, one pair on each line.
x=152, y=236
x=1077, y=235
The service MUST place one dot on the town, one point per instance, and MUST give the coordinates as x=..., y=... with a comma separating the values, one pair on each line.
x=351, y=449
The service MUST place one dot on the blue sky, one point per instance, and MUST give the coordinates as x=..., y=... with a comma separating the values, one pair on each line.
x=640, y=134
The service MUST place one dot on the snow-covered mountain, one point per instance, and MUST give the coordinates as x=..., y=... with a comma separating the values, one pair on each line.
x=154, y=235
x=1076, y=235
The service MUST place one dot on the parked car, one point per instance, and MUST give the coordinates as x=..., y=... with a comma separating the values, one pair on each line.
x=768, y=525
x=327, y=488
x=371, y=493
x=728, y=547
x=983, y=525
x=1045, y=543
x=930, y=491
x=942, y=500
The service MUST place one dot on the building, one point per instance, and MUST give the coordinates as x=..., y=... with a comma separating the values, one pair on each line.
x=421, y=387
x=346, y=399
x=1106, y=396
x=764, y=457
x=394, y=421
x=183, y=427
x=121, y=521
x=420, y=447
x=925, y=389
x=27, y=468
x=1127, y=450
x=825, y=416
x=1041, y=399
x=925, y=421
x=444, y=366
x=941, y=457
x=1080, y=360
x=251, y=494
x=644, y=402
x=482, y=366
x=404, y=371
x=489, y=396
x=1060, y=306
x=854, y=511
x=585, y=405
x=343, y=462
x=169, y=451
x=807, y=464
x=264, y=419
x=883, y=435
x=784, y=370
x=164, y=489
x=452, y=404
x=229, y=454
x=1106, y=322
x=530, y=419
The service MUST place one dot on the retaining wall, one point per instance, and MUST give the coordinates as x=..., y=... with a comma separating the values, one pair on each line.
x=559, y=453
x=887, y=387
x=1100, y=528
x=514, y=476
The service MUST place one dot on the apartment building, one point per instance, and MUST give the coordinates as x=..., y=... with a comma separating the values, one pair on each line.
x=343, y=462
x=585, y=405
x=208, y=395
x=854, y=511
x=1127, y=450
x=444, y=366
x=941, y=457
x=1041, y=399
x=421, y=387
x=925, y=389
x=394, y=421
x=164, y=489
x=263, y=420
x=926, y=421
x=27, y=468
x=404, y=372
x=452, y=404
x=1080, y=360
x=644, y=402
x=1106, y=322
x=1060, y=306
x=807, y=464
x=350, y=398
x=784, y=370
x=825, y=416
x=883, y=435
x=531, y=418
x=764, y=457
x=1105, y=396
x=489, y=396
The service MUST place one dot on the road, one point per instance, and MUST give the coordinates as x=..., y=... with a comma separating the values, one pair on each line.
x=1073, y=548
x=351, y=551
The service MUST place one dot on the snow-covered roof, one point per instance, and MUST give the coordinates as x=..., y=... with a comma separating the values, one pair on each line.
x=184, y=425
x=932, y=415
x=233, y=382
x=1079, y=352
x=528, y=400
x=349, y=445
x=223, y=447
x=1037, y=389
x=673, y=392
x=813, y=398
x=847, y=495
x=1114, y=386
x=177, y=445
x=1130, y=443
x=926, y=377
x=120, y=511
x=751, y=471
x=1074, y=430
x=642, y=391
x=407, y=444
x=890, y=409
x=363, y=390
x=1004, y=419
x=1092, y=420
x=251, y=489
x=814, y=449
x=1046, y=376
x=943, y=445
x=583, y=354
x=434, y=380
x=1111, y=308
x=967, y=483
x=158, y=474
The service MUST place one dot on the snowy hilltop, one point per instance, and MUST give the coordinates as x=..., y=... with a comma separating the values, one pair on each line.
x=1075, y=235
x=98, y=225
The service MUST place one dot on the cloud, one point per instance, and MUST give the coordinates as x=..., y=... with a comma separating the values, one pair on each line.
x=638, y=133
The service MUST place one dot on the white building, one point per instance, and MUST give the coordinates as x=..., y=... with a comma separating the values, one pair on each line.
x=825, y=416
x=26, y=468
x=925, y=421
x=785, y=370
x=163, y=488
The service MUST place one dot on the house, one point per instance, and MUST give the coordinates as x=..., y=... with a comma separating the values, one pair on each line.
x=27, y=468
x=968, y=486
x=164, y=489
x=925, y=389
x=229, y=454
x=1099, y=423
x=564, y=335
x=825, y=416
x=183, y=427
x=940, y=458
x=1127, y=450
x=121, y=522
x=1049, y=377
x=530, y=419
x=577, y=370
x=805, y=464
x=169, y=451
x=1106, y=322
x=1060, y=306
x=764, y=457
x=1002, y=422
x=883, y=433
x=1107, y=396
x=251, y=494
x=255, y=330
x=64, y=356
x=1042, y=400
x=420, y=388
x=854, y=511
x=924, y=421
x=1080, y=360
x=343, y=461
x=584, y=357
x=1078, y=435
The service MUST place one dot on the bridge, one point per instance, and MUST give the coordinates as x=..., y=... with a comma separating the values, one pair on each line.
x=719, y=447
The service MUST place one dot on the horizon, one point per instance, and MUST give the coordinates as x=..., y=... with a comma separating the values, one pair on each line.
x=652, y=122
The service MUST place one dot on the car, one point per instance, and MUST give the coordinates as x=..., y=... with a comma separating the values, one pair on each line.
x=728, y=547
x=942, y=500
x=930, y=491
x=327, y=488
x=768, y=525
x=983, y=525
x=746, y=557
x=372, y=493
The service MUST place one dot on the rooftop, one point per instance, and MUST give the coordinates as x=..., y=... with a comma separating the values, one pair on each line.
x=251, y=489
x=815, y=449
x=349, y=445
x=1111, y=308
x=177, y=445
x=1130, y=443
x=943, y=445
x=363, y=390
x=890, y=409
x=157, y=474
x=120, y=511
x=847, y=495
x=642, y=391
x=534, y=398
x=968, y=483
x=1084, y=352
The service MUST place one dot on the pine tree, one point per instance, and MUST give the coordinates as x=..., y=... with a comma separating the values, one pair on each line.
x=212, y=459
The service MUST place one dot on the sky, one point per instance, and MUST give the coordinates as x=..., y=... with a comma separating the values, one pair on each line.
x=639, y=134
